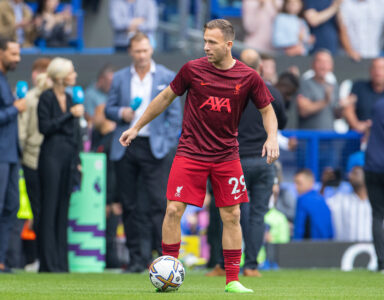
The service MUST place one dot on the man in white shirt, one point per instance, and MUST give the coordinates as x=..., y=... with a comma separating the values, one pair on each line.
x=138, y=84
x=351, y=212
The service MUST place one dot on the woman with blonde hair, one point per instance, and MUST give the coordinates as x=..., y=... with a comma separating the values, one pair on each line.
x=58, y=161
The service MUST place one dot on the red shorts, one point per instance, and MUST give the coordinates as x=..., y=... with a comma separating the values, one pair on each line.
x=188, y=182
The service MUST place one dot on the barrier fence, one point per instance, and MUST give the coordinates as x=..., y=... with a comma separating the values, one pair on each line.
x=318, y=149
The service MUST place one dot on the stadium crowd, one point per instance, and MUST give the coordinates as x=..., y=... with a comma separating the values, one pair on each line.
x=41, y=131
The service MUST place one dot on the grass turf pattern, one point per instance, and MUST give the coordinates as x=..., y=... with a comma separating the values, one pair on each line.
x=282, y=284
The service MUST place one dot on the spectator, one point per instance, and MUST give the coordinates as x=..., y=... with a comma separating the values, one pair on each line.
x=327, y=26
x=288, y=85
x=269, y=73
x=374, y=179
x=54, y=27
x=259, y=176
x=318, y=99
x=9, y=161
x=258, y=18
x=59, y=161
x=97, y=92
x=30, y=140
x=351, y=212
x=147, y=154
x=283, y=196
x=313, y=217
x=130, y=16
x=330, y=182
x=364, y=95
x=16, y=22
x=277, y=231
x=277, y=223
x=291, y=32
x=364, y=22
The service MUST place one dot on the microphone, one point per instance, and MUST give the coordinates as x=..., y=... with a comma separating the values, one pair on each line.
x=78, y=98
x=21, y=89
x=78, y=95
x=136, y=102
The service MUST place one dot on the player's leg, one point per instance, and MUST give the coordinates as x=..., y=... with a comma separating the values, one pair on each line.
x=186, y=185
x=232, y=242
x=171, y=228
x=229, y=189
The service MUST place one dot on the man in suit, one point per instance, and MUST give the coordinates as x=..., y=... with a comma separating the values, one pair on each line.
x=9, y=158
x=141, y=82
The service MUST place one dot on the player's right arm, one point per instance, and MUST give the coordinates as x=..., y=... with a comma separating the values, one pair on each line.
x=155, y=108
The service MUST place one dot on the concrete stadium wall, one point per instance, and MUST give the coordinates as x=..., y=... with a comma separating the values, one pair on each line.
x=87, y=66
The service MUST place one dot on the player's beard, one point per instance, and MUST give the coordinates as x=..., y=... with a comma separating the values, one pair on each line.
x=219, y=56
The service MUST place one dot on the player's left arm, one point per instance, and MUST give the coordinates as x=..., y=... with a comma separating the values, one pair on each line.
x=271, y=146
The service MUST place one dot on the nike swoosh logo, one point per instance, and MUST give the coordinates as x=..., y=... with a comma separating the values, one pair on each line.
x=205, y=83
x=237, y=197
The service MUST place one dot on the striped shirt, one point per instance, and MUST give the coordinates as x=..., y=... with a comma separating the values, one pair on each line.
x=364, y=21
x=351, y=217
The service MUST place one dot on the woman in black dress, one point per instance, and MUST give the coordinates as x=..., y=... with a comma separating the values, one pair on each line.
x=58, y=162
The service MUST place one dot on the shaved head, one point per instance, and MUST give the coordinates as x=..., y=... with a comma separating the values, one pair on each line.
x=251, y=58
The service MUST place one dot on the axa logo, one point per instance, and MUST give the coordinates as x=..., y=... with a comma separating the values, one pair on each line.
x=178, y=191
x=217, y=104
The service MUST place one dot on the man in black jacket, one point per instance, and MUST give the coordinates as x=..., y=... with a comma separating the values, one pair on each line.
x=9, y=158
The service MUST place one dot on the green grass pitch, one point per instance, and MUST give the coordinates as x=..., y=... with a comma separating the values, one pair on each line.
x=282, y=284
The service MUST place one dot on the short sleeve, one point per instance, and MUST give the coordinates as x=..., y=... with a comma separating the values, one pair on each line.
x=260, y=94
x=305, y=89
x=182, y=81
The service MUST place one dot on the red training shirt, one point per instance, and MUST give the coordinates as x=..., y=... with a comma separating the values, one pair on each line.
x=215, y=101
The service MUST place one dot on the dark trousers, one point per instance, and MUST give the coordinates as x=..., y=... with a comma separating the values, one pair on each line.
x=15, y=253
x=54, y=171
x=259, y=178
x=9, y=203
x=375, y=187
x=214, y=233
x=32, y=183
x=138, y=160
x=111, y=258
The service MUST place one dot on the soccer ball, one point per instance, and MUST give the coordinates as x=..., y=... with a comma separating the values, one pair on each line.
x=166, y=273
